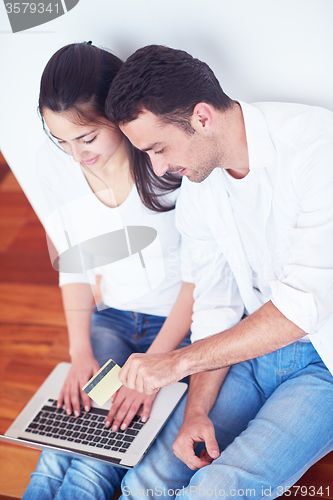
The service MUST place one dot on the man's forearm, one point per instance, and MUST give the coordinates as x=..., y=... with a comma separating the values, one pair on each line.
x=203, y=391
x=266, y=330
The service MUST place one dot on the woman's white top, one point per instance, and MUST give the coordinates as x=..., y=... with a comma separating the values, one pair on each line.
x=135, y=250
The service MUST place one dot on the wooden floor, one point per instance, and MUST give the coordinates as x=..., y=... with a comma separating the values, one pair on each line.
x=33, y=335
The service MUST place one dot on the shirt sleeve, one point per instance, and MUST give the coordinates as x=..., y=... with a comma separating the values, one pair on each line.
x=218, y=305
x=304, y=292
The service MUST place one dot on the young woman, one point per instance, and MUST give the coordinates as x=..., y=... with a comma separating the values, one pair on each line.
x=104, y=185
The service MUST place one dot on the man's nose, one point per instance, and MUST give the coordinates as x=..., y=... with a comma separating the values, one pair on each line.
x=159, y=166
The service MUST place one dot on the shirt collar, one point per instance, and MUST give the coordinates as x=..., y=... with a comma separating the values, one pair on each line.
x=260, y=147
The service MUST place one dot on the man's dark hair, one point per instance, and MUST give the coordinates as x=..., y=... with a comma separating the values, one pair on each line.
x=165, y=81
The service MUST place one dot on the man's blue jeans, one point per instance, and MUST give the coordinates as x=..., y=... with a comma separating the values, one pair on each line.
x=114, y=334
x=273, y=419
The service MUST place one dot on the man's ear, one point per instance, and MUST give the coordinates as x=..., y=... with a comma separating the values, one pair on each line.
x=203, y=117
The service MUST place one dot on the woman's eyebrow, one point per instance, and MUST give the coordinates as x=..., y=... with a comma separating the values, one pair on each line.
x=76, y=138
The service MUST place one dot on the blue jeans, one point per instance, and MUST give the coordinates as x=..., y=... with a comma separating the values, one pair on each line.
x=114, y=334
x=273, y=419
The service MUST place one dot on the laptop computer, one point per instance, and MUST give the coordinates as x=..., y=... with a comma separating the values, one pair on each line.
x=41, y=425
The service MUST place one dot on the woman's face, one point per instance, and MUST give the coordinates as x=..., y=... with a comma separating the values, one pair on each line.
x=92, y=144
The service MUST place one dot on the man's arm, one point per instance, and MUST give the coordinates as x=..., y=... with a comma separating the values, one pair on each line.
x=264, y=331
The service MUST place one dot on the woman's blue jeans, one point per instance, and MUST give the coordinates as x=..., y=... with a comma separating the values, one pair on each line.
x=273, y=419
x=114, y=334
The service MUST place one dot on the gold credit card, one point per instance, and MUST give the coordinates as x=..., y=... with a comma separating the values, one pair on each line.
x=104, y=383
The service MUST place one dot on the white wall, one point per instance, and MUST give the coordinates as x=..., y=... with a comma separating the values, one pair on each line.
x=259, y=49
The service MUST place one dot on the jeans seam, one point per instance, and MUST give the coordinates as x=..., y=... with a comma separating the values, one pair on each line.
x=286, y=372
x=143, y=330
x=146, y=326
x=57, y=493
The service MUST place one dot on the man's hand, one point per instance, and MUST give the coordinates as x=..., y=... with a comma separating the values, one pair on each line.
x=149, y=372
x=125, y=405
x=79, y=373
x=196, y=429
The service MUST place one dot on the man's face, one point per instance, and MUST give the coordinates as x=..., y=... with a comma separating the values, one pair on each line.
x=171, y=149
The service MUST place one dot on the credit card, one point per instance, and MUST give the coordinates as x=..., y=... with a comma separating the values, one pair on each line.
x=104, y=383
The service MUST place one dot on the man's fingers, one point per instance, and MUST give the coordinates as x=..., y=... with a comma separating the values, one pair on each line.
x=133, y=375
x=193, y=431
x=149, y=388
x=123, y=374
x=147, y=373
x=205, y=458
x=213, y=449
x=185, y=453
x=211, y=444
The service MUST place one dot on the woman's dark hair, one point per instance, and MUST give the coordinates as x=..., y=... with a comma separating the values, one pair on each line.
x=80, y=74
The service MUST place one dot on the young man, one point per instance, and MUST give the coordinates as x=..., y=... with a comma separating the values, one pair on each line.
x=256, y=217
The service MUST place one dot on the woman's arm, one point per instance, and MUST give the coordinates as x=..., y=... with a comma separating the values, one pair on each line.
x=78, y=301
x=178, y=323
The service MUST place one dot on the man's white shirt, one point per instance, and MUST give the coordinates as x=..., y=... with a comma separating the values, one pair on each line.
x=268, y=236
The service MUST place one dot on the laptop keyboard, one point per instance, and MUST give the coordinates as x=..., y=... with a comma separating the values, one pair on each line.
x=88, y=429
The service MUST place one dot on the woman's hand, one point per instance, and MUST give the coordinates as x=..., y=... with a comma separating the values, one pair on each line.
x=81, y=370
x=125, y=405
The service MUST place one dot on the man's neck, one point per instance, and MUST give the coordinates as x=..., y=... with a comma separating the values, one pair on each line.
x=233, y=130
